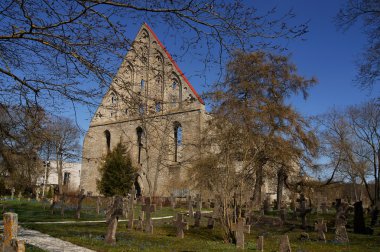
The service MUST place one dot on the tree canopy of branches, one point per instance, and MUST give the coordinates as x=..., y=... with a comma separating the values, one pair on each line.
x=253, y=133
x=351, y=142
x=66, y=50
x=367, y=11
x=117, y=173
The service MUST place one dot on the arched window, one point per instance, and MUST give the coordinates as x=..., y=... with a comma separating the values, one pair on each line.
x=107, y=134
x=177, y=139
x=140, y=133
x=142, y=84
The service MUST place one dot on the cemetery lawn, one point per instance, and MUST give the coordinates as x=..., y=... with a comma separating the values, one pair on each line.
x=91, y=235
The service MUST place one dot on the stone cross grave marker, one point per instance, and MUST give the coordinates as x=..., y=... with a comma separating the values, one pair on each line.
x=285, y=244
x=9, y=241
x=341, y=234
x=181, y=225
x=302, y=210
x=190, y=206
x=12, y=193
x=148, y=208
x=321, y=228
x=240, y=228
x=260, y=244
x=131, y=212
x=172, y=201
x=198, y=200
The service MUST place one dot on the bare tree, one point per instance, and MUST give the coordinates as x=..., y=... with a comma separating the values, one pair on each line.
x=367, y=11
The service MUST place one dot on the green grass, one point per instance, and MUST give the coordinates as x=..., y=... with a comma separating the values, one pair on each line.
x=163, y=239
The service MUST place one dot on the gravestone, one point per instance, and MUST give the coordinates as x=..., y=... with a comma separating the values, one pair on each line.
x=324, y=207
x=240, y=228
x=115, y=211
x=131, y=212
x=359, y=224
x=148, y=208
x=190, y=206
x=321, y=228
x=172, y=201
x=98, y=203
x=302, y=210
x=374, y=215
x=285, y=244
x=81, y=196
x=13, y=190
x=342, y=213
x=198, y=201
x=181, y=225
x=260, y=244
x=266, y=205
x=38, y=191
x=197, y=218
x=210, y=223
x=139, y=223
x=125, y=207
x=341, y=234
x=19, y=196
x=9, y=241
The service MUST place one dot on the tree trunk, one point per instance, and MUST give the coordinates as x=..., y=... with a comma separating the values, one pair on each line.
x=280, y=186
x=258, y=184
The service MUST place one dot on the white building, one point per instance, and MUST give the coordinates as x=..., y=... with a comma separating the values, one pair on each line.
x=70, y=173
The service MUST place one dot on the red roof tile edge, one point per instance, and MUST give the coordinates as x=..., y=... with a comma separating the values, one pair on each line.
x=175, y=64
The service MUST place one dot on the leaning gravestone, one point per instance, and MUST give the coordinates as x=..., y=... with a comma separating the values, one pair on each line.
x=321, y=228
x=285, y=244
x=81, y=196
x=341, y=234
x=181, y=225
x=114, y=212
x=260, y=244
x=9, y=241
x=148, y=208
x=240, y=228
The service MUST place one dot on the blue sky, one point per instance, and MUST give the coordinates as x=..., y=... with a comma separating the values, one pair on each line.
x=324, y=52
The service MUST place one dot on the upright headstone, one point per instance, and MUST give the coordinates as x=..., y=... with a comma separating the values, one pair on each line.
x=12, y=193
x=9, y=241
x=285, y=244
x=240, y=228
x=190, y=206
x=172, y=201
x=38, y=191
x=198, y=202
x=321, y=228
x=148, y=208
x=139, y=223
x=359, y=224
x=302, y=210
x=131, y=212
x=197, y=218
x=260, y=244
x=341, y=234
x=181, y=225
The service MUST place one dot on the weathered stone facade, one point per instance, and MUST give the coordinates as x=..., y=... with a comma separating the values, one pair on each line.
x=152, y=108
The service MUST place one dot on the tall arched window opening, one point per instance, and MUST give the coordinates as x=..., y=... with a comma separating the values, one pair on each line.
x=139, y=132
x=177, y=140
x=107, y=134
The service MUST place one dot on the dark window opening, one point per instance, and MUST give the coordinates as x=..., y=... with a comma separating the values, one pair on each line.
x=177, y=140
x=108, y=140
x=140, y=133
x=66, y=178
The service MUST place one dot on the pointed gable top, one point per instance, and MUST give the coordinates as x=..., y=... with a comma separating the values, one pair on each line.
x=174, y=63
